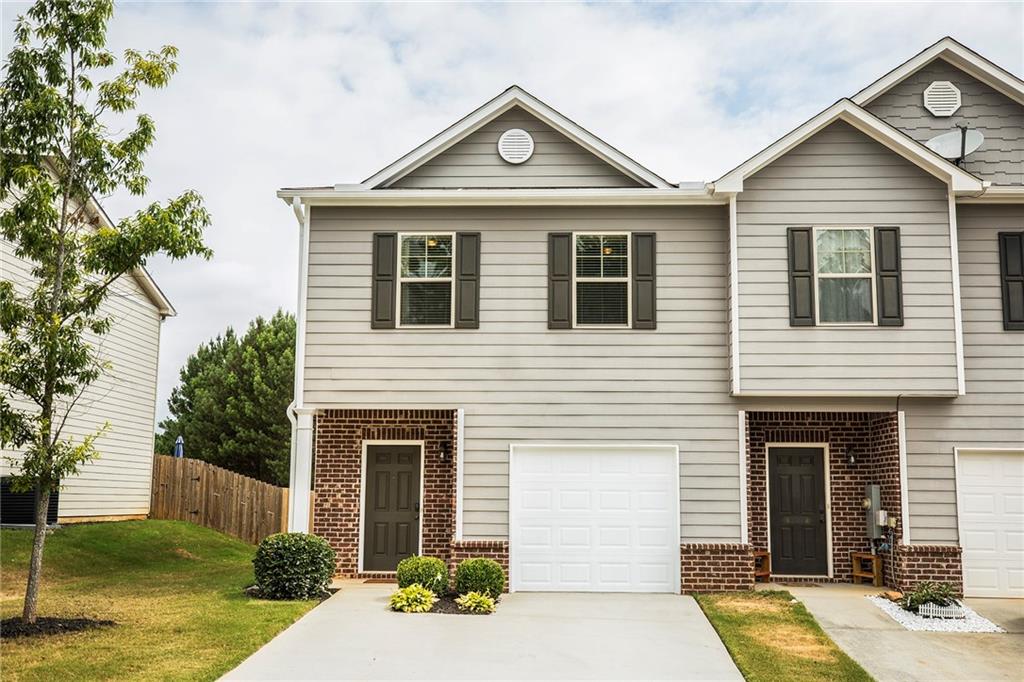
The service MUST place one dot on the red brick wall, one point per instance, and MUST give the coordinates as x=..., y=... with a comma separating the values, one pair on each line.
x=937, y=563
x=472, y=549
x=716, y=567
x=337, y=469
x=873, y=436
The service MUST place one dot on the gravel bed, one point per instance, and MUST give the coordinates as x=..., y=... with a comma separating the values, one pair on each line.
x=911, y=621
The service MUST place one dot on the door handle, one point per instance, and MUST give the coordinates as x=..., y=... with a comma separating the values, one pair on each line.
x=416, y=511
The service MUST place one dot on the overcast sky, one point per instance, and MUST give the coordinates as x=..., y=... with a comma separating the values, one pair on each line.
x=273, y=95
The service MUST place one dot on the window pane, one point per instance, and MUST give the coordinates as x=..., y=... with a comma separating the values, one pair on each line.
x=426, y=303
x=414, y=266
x=601, y=303
x=588, y=245
x=439, y=267
x=614, y=245
x=615, y=267
x=844, y=251
x=588, y=266
x=414, y=246
x=844, y=300
x=856, y=262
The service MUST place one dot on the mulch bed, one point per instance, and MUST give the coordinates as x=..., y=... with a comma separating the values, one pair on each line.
x=11, y=628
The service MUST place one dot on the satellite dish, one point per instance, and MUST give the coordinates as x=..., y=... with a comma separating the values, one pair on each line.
x=956, y=144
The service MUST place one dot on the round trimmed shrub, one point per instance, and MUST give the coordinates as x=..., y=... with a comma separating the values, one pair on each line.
x=293, y=566
x=480, y=575
x=428, y=571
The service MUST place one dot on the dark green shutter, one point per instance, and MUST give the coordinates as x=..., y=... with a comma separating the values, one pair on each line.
x=645, y=294
x=385, y=262
x=889, y=274
x=467, y=280
x=1011, y=272
x=559, y=280
x=801, y=277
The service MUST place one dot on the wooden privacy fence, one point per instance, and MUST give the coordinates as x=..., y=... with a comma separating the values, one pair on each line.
x=193, y=490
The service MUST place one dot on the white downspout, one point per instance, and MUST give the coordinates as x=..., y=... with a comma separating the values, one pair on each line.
x=301, y=466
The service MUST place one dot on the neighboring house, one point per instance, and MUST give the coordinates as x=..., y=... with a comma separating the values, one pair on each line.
x=517, y=342
x=117, y=484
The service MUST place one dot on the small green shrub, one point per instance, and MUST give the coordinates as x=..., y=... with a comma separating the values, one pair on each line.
x=927, y=592
x=293, y=566
x=480, y=575
x=476, y=602
x=428, y=571
x=412, y=599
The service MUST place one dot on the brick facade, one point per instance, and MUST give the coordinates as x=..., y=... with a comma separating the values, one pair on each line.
x=338, y=454
x=872, y=437
x=937, y=563
x=716, y=567
x=472, y=549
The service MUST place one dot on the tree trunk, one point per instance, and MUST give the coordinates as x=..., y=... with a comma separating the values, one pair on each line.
x=35, y=566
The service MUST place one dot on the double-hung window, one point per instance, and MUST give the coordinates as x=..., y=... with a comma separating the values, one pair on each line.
x=601, y=280
x=425, y=293
x=844, y=275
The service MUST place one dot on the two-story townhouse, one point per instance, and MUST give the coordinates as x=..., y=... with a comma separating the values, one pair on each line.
x=517, y=342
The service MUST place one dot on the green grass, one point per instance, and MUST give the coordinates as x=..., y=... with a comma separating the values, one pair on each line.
x=174, y=589
x=771, y=638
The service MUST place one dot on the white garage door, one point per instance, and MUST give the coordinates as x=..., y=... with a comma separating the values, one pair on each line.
x=991, y=492
x=594, y=519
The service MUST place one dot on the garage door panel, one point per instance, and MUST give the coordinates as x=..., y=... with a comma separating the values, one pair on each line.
x=991, y=502
x=612, y=524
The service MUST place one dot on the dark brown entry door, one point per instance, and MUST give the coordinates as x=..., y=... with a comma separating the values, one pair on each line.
x=391, y=526
x=796, y=490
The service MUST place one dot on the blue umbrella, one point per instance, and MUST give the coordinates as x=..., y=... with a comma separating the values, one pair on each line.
x=179, y=447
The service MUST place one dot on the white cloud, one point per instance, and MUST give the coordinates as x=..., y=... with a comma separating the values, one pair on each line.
x=317, y=93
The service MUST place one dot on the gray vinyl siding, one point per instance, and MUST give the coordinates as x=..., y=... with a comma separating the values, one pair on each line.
x=991, y=415
x=473, y=162
x=118, y=482
x=1000, y=119
x=520, y=382
x=841, y=177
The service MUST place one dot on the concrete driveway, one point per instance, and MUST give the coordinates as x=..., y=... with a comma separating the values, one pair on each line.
x=889, y=652
x=352, y=635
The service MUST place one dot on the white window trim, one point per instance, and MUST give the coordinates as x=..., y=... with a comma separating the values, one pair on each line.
x=827, y=473
x=835, y=275
x=401, y=280
x=628, y=279
x=362, y=494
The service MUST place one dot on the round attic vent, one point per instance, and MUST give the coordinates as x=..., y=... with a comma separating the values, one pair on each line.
x=942, y=98
x=515, y=145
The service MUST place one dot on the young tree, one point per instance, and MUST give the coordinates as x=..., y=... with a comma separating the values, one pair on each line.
x=56, y=156
x=231, y=401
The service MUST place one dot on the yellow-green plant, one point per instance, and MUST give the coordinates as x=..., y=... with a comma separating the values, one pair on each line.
x=412, y=599
x=476, y=602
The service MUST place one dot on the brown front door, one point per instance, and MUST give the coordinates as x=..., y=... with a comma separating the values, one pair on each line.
x=391, y=522
x=796, y=493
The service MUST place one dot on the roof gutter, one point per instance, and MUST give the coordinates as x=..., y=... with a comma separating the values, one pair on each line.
x=502, y=197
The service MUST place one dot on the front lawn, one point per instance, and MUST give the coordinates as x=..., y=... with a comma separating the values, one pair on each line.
x=772, y=637
x=173, y=588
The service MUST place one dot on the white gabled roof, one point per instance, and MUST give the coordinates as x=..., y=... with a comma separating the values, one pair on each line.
x=513, y=97
x=959, y=180
x=959, y=56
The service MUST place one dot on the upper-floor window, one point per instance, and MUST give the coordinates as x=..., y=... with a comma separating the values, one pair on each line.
x=601, y=280
x=425, y=279
x=844, y=275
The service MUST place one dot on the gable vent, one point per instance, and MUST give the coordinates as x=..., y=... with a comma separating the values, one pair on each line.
x=942, y=98
x=515, y=145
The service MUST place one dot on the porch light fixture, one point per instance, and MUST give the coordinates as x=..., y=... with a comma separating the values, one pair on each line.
x=851, y=456
x=446, y=449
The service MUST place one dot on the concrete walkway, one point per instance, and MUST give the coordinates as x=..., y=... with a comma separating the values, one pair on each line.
x=889, y=652
x=352, y=635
